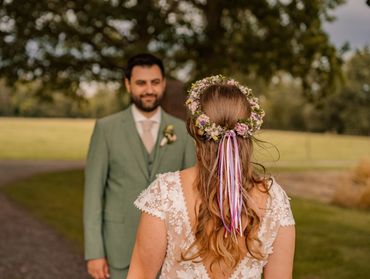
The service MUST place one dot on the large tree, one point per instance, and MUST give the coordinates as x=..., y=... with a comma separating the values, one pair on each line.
x=63, y=43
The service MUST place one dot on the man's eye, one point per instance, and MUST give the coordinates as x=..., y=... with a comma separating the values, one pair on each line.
x=155, y=82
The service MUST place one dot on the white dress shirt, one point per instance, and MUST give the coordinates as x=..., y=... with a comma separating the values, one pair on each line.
x=138, y=117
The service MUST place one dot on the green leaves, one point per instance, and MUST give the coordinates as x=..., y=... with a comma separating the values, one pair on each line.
x=66, y=42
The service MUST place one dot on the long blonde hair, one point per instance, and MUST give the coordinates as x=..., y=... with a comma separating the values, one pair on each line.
x=224, y=105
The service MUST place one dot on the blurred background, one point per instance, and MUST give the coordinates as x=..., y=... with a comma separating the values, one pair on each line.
x=61, y=67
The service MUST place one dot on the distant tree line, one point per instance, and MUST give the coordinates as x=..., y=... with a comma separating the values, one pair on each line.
x=22, y=100
x=345, y=111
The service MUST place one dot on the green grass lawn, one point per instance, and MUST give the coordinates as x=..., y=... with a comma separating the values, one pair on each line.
x=42, y=139
x=67, y=139
x=312, y=149
x=332, y=243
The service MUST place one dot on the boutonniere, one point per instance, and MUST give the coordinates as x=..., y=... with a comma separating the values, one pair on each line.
x=168, y=135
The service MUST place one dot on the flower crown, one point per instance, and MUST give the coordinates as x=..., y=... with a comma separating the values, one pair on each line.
x=244, y=127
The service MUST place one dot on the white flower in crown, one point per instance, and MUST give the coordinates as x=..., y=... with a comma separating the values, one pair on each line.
x=214, y=131
x=169, y=135
x=244, y=128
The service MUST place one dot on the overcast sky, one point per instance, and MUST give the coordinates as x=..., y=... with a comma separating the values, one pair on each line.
x=352, y=24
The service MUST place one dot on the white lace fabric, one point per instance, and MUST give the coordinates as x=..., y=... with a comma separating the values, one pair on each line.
x=164, y=199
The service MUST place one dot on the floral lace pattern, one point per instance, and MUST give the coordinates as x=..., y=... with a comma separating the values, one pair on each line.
x=164, y=199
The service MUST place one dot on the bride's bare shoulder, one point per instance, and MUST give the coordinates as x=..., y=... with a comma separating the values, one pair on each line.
x=188, y=171
x=188, y=174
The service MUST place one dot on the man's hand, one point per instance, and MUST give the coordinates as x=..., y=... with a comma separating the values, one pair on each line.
x=98, y=268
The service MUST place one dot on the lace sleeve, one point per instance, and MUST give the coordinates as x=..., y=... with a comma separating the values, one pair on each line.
x=151, y=200
x=284, y=211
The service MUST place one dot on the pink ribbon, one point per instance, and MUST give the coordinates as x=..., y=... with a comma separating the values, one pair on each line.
x=230, y=187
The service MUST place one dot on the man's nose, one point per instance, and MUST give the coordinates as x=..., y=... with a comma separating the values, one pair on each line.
x=150, y=88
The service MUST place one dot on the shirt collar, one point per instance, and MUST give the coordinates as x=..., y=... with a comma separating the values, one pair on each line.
x=138, y=116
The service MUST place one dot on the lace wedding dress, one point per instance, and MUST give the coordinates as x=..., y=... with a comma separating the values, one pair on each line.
x=164, y=199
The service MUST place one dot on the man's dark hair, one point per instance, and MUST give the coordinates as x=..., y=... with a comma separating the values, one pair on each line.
x=142, y=59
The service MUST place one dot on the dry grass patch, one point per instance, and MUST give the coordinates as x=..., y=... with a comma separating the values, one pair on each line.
x=355, y=189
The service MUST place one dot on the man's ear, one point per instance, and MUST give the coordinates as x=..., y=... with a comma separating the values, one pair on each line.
x=127, y=85
x=164, y=82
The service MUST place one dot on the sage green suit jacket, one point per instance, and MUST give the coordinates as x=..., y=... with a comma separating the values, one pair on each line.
x=116, y=172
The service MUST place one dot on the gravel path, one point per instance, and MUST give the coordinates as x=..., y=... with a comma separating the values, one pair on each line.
x=30, y=249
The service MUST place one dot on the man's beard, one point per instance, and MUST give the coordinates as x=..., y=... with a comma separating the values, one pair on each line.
x=139, y=103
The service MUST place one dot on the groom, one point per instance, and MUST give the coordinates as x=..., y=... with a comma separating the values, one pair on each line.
x=127, y=150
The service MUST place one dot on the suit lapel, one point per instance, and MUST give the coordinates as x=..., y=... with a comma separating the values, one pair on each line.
x=160, y=150
x=134, y=142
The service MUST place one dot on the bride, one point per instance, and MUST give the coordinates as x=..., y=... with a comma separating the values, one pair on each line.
x=220, y=218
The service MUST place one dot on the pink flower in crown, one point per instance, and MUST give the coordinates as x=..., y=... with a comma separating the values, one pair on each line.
x=192, y=105
x=242, y=129
x=232, y=82
x=254, y=116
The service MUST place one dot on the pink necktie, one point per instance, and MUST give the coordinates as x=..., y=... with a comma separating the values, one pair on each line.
x=147, y=136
